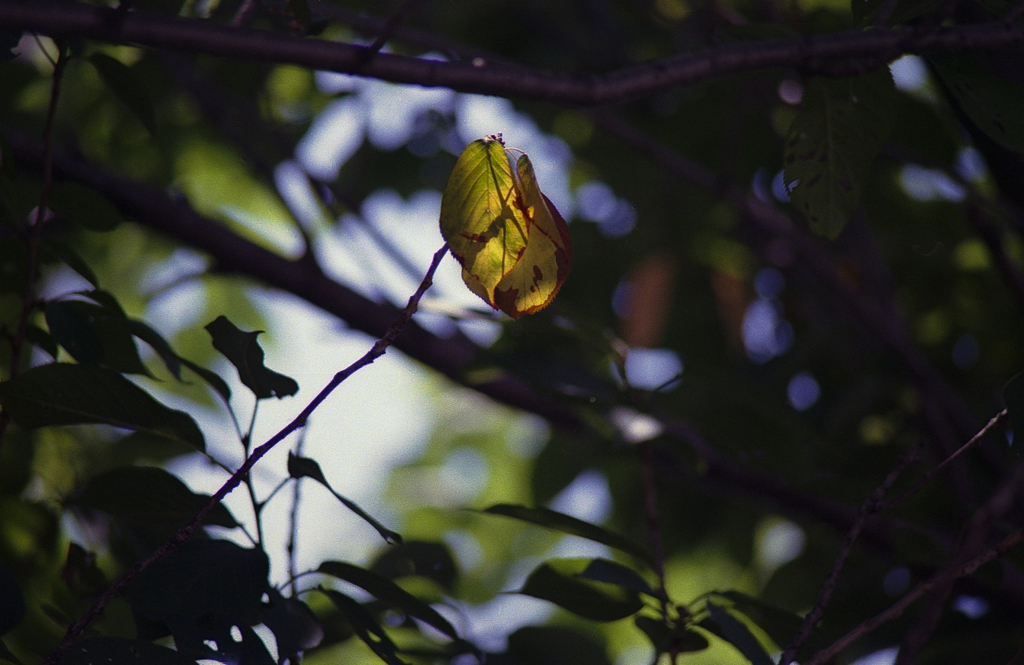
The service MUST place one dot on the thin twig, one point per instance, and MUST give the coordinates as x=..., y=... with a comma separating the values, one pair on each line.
x=653, y=521
x=994, y=422
x=293, y=518
x=952, y=572
x=868, y=508
x=182, y=535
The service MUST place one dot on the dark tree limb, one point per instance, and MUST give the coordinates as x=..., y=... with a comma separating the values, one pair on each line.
x=834, y=53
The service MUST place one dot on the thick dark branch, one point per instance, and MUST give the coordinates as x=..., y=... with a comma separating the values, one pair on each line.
x=818, y=53
x=152, y=207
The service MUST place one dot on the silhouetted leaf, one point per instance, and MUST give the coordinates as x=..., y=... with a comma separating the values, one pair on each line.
x=215, y=577
x=7, y=656
x=294, y=625
x=733, y=631
x=366, y=627
x=84, y=205
x=603, y=570
x=559, y=581
x=555, y=645
x=122, y=651
x=991, y=101
x=244, y=352
x=415, y=557
x=665, y=639
x=148, y=495
x=780, y=625
x=64, y=394
x=557, y=521
x=173, y=361
x=304, y=467
x=127, y=86
x=390, y=593
x=71, y=258
x=95, y=335
x=12, y=601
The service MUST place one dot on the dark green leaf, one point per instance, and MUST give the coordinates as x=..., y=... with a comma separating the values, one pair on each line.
x=1013, y=397
x=8, y=41
x=780, y=625
x=390, y=593
x=736, y=633
x=84, y=205
x=173, y=361
x=665, y=639
x=72, y=260
x=416, y=557
x=832, y=143
x=71, y=326
x=603, y=570
x=12, y=601
x=7, y=655
x=122, y=651
x=992, y=101
x=244, y=352
x=366, y=627
x=149, y=495
x=64, y=394
x=214, y=577
x=557, y=521
x=42, y=339
x=81, y=574
x=555, y=645
x=303, y=467
x=95, y=334
x=559, y=581
x=127, y=86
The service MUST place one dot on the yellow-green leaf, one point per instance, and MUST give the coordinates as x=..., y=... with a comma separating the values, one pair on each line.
x=513, y=246
x=484, y=230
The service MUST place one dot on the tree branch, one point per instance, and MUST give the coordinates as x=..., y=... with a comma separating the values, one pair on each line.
x=816, y=53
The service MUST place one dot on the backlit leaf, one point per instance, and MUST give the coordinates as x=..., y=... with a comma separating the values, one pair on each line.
x=832, y=143
x=538, y=276
x=513, y=246
x=84, y=205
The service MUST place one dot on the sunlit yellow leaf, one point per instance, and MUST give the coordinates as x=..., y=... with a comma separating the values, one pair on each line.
x=538, y=276
x=484, y=230
x=513, y=245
